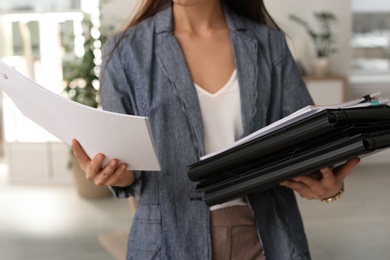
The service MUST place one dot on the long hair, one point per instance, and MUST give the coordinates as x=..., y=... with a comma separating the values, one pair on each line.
x=252, y=9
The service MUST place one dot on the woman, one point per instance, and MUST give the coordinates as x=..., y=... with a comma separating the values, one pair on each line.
x=206, y=73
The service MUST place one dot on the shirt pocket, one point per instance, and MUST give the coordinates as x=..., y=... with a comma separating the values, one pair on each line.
x=146, y=233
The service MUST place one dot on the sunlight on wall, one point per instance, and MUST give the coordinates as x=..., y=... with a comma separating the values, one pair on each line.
x=34, y=44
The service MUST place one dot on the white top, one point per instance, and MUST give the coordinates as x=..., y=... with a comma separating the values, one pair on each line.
x=222, y=121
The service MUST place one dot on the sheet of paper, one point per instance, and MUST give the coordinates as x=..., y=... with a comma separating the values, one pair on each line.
x=126, y=138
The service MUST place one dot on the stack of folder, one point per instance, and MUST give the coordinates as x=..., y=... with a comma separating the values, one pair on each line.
x=302, y=143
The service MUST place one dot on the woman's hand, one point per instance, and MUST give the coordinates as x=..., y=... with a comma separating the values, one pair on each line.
x=114, y=174
x=328, y=186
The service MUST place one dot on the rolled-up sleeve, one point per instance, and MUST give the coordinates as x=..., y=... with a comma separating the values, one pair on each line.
x=132, y=190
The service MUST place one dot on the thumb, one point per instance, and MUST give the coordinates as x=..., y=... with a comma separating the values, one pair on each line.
x=342, y=171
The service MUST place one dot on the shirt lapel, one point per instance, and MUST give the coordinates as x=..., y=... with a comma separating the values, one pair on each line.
x=246, y=55
x=172, y=61
x=173, y=64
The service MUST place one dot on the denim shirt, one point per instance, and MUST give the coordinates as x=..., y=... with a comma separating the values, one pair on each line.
x=147, y=75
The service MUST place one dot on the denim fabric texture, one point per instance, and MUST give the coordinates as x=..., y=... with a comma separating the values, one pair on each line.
x=147, y=75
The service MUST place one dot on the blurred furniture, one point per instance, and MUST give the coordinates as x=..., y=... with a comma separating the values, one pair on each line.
x=327, y=90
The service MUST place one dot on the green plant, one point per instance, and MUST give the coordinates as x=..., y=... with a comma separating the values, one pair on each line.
x=80, y=72
x=323, y=39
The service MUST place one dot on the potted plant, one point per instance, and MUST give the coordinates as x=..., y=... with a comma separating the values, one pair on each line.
x=323, y=40
x=82, y=86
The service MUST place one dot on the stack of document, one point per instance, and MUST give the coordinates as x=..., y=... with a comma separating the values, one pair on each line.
x=302, y=143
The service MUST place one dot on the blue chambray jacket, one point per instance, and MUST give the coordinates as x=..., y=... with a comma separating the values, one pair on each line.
x=147, y=76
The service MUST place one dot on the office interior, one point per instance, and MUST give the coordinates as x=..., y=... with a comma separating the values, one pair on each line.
x=48, y=212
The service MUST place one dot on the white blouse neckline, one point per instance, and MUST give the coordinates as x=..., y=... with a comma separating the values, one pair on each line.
x=220, y=91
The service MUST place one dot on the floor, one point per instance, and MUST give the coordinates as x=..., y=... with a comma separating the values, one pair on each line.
x=357, y=226
x=53, y=222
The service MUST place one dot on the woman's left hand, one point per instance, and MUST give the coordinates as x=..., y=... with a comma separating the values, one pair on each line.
x=329, y=185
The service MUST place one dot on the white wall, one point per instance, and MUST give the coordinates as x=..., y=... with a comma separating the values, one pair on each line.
x=302, y=47
x=370, y=5
x=117, y=13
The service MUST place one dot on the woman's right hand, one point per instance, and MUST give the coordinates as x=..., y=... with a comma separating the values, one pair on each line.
x=113, y=174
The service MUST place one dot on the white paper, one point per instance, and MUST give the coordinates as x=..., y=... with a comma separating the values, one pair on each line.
x=298, y=115
x=124, y=137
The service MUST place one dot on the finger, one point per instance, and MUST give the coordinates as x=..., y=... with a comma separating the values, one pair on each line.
x=328, y=177
x=102, y=176
x=332, y=183
x=97, y=162
x=344, y=170
x=116, y=178
x=94, y=167
x=79, y=153
x=309, y=181
x=300, y=188
x=290, y=183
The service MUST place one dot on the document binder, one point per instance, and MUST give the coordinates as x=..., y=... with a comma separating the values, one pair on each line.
x=325, y=138
x=318, y=124
x=286, y=157
x=260, y=180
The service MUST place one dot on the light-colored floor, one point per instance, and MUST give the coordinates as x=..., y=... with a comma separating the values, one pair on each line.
x=52, y=223
x=357, y=227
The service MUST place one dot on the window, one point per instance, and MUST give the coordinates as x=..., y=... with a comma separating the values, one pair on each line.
x=8, y=6
x=35, y=35
x=370, y=39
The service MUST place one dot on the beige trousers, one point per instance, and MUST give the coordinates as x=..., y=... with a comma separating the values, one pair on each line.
x=234, y=234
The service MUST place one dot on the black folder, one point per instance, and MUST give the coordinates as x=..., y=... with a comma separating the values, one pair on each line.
x=322, y=139
x=260, y=179
x=319, y=124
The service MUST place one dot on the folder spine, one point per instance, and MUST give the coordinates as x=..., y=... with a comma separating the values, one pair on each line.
x=270, y=179
x=262, y=147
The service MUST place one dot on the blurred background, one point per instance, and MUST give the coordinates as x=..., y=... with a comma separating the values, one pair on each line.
x=49, y=211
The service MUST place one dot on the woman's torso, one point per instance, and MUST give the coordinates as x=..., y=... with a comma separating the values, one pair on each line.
x=148, y=76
